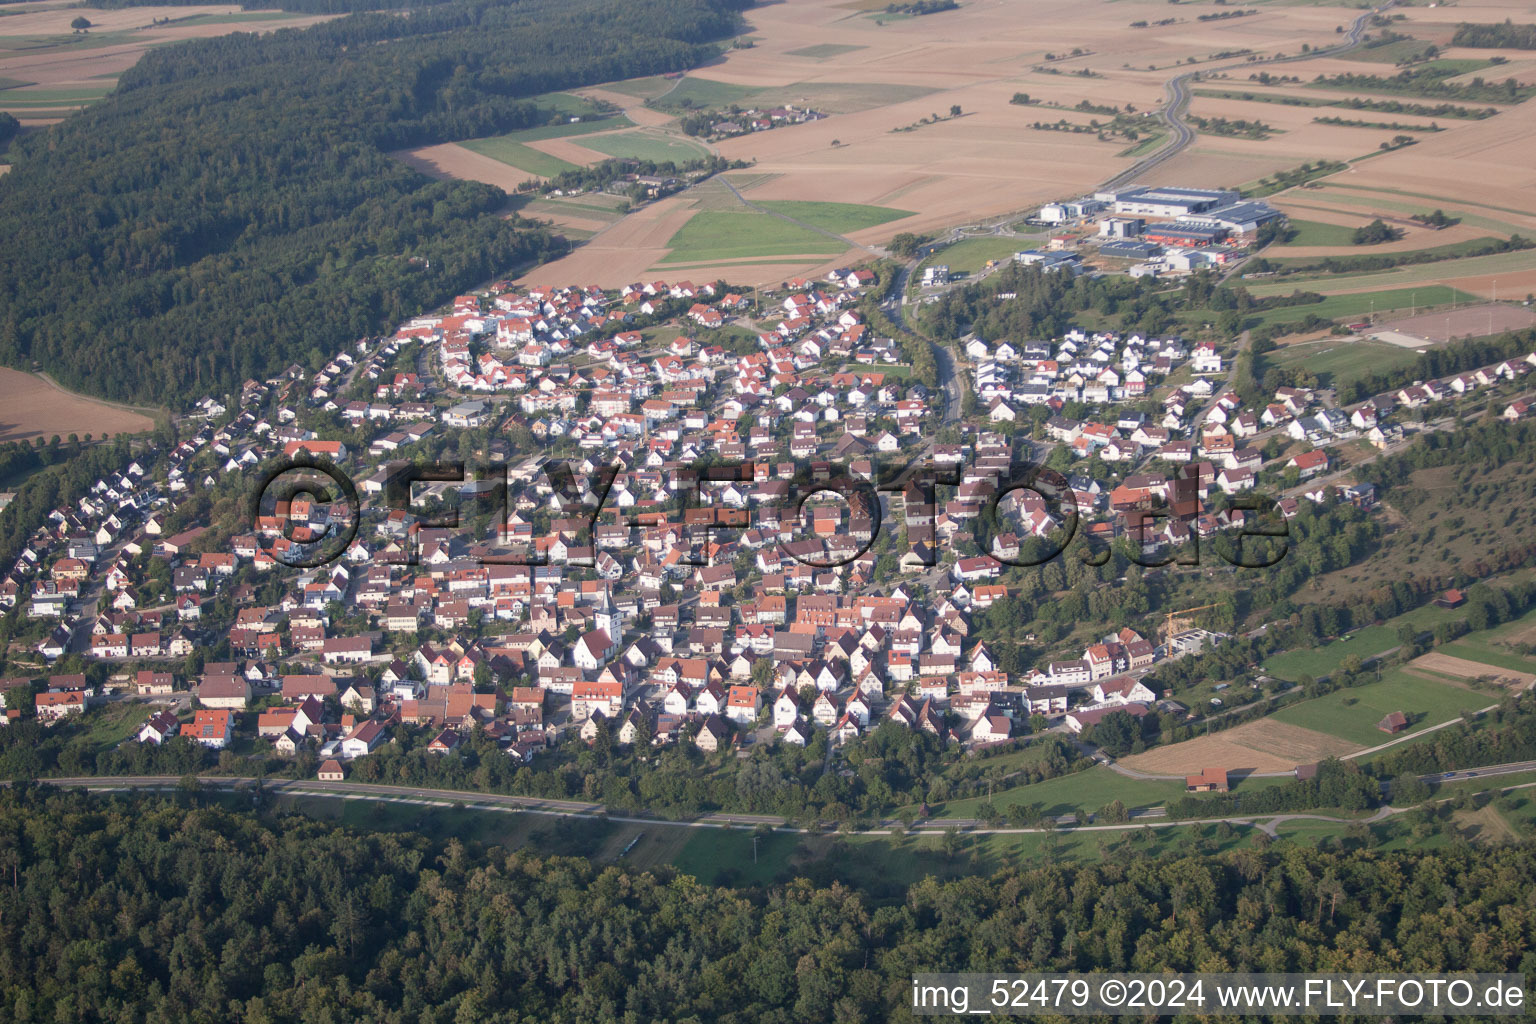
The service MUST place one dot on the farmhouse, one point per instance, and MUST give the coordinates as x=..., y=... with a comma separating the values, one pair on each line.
x=1211, y=780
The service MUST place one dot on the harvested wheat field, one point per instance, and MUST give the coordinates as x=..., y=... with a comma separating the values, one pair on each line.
x=454, y=161
x=35, y=408
x=569, y=151
x=893, y=137
x=1461, y=668
x=1262, y=746
x=64, y=69
x=624, y=252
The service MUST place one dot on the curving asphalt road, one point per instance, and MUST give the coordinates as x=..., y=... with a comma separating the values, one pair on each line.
x=1177, y=89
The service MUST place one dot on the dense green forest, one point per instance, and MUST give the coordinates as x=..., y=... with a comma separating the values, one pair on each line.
x=152, y=910
x=231, y=207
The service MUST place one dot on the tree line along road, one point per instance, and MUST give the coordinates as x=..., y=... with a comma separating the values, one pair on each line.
x=581, y=809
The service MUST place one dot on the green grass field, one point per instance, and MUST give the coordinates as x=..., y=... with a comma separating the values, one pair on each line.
x=1321, y=661
x=647, y=145
x=1337, y=307
x=524, y=158
x=1087, y=790
x=566, y=103
x=1390, y=53
x=841, y=97
x=841, y=218
x=716, y=235
x=1432, y=253
x=1364, y=643
x=1311, y=232
x=821, y=51
x=712, y=853
x=512, y=149
x=1145, y=145
x=1352, y=714
x=640, y=88
x=704, y=92
x=1476, y=648
x=1339, y=362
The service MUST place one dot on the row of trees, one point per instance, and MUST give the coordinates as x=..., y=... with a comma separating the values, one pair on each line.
x=1508, y=36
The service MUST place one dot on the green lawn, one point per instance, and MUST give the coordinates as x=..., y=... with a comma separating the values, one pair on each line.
x=1352, y=714
x=647, y=145
x=821, y=51
x=1339, y=307
x=1311, y=232
x=1338, y=362
x=717, y=235
x=841, y=218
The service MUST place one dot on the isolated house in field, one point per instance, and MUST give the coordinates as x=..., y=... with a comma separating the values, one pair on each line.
x=1452, y=598
x=1211, y=780
x=1396, y=722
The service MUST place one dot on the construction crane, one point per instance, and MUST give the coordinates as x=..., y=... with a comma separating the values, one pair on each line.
x=1173, y=624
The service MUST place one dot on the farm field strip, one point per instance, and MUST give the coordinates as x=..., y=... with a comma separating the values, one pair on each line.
x=1352, y=713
